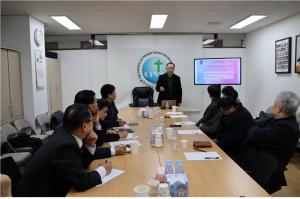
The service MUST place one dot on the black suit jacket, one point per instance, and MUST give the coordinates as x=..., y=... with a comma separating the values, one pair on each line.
x=278, y=137
x=57, y=166
x=111, y=118
x=234, y=131
x=105, y=137
x=176, y=89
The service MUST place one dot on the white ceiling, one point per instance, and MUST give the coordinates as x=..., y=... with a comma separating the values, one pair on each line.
x=107, y=17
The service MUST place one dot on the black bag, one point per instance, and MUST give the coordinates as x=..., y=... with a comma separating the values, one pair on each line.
x=22, y=140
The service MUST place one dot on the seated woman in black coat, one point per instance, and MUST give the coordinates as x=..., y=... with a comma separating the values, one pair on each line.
x=235, y=122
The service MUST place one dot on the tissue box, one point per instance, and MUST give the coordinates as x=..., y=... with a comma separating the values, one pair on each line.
x=178, y=184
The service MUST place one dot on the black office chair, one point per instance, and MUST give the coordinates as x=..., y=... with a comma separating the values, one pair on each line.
x=142, y=96
x=264, y=168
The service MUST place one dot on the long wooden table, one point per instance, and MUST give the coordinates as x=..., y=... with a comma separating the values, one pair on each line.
x=206, y=178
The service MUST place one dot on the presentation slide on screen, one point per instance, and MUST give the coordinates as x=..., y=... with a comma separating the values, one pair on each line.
x=217, y=71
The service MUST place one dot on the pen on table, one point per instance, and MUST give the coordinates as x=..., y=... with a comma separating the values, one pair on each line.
x=213, y=158
x=199, y=150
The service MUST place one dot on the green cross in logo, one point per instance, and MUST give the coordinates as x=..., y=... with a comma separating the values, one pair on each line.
x=158, y=63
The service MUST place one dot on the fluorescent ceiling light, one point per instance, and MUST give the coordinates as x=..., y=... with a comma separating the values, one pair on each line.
x=66, y=22
x=208, y=41
x=158, y=21
x=247, y=21
x=97, y=42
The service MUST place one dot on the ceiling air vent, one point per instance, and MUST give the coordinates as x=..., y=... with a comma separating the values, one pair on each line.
x=214, y=23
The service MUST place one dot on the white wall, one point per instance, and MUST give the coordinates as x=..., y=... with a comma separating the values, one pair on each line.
x=124, y=53
x=118, y=65
x=81, y=69
x=17, y=32
x=262, y=84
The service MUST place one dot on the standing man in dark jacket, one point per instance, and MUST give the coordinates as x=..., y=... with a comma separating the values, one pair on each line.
x=235, y=122
x=61, y=162
x=169, y=86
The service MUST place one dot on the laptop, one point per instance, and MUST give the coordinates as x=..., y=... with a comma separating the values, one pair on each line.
x=164, y=102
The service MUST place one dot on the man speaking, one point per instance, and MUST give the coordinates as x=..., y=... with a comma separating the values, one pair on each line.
x=169, y=86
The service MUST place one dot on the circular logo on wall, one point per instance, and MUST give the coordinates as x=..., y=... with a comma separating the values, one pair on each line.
x=151, y=66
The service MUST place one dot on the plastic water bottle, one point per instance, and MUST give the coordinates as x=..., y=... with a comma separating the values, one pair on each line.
x=167, y=105
x=173, y=140
x=168, y=167
x=179, y=166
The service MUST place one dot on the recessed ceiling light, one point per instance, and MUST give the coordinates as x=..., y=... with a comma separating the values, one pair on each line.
x=66, y=22
x=158, y=21
x=208, y=41
x=247, y=21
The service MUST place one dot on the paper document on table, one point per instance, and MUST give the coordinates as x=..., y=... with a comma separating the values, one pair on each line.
x=174, y=113
x=202, y=156
x=184, y=123
x=124, y=142
x=178, y=116
x=130, y=136
x=125, y=127
x=189, y=132
x=114, y=173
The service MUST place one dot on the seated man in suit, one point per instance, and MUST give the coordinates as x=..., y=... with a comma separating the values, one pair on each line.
x=235, y=122
x=168, y=86
x=278, y=135
x=88, y=98
x=108, y=92
x=60, y=162
x=214, y=92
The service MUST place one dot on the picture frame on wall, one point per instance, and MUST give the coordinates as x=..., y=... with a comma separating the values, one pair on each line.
x=297, y=54
x=283, y=49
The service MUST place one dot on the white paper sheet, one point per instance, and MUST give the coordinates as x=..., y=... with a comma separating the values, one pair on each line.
x=174, y=113
x=202, y=156
x=178, y=116
x=114, y=173
x=125, y=127
x=189, y=132
x=130, y=136
x=184, y=123
x=124, y=142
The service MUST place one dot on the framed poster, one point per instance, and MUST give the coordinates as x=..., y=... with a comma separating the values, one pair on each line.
x=297, y=54
x=39, y=70
x=283, y=55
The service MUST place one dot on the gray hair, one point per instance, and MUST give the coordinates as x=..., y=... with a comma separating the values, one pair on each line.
x=289, y=102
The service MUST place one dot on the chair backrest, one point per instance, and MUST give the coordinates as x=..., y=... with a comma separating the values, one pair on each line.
x=43, y=121
x=7, y=131
x=142, y=96
x=260, y=165
x=22, y=126
x=298, y=117
x=269, y=110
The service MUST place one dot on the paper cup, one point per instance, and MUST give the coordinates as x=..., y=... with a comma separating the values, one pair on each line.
x=184, y=143
x=141, y=191
x=153, y=184
x=134, y=148
x=174, y=108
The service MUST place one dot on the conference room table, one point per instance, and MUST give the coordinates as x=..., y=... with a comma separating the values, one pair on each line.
x=215, y=178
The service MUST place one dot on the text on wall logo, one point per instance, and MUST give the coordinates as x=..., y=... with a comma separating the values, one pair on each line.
x=150, y=66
